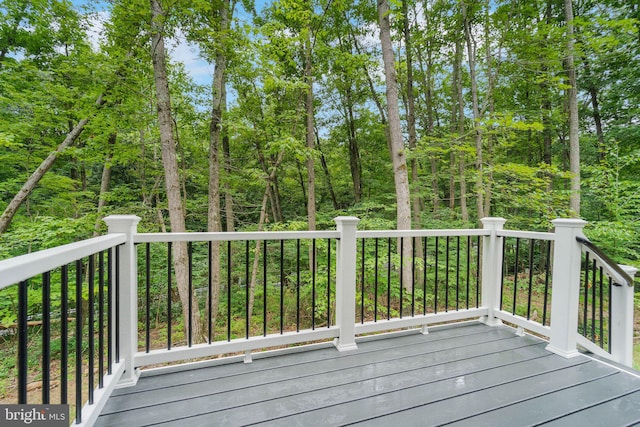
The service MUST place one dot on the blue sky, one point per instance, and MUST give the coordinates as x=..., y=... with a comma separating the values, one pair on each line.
x=180, y=49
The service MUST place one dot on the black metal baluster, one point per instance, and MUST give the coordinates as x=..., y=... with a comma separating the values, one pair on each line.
x=23, y=340
x=92, y=274
x=375, y=284
x=78, y=341
x=478, y=264
x=147, y=295
x=169, y=280
x=587, y=264
x=424, y=276
x=264, y=294
x=546, y=282
x=281, y=287
x=110, y=310
x=610, y=313
x=229, y=290
x=46, y=335
x=64, y=332
x=298, y=285
x=362, y=264
x=593, y=302
x=413, y=276
x=468, y=269
x=401, y=250
x=446, y=278
x=189, y=322
x=503, y=271
x=328, y=283
x=600, y=286
x=437, y=267
x=246, y=294
x=313, y=284
x=515, y=276
x=457, y=273
x=101, y=319
x=388, y=278
x=117, y=305
x=531, y=250
x=210, y=290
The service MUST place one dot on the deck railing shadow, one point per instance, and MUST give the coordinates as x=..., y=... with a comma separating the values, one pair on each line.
x=93, y=313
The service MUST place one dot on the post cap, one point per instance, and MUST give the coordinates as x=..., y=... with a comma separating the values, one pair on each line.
x=122, y=223
x=493, y=222
x=569, y=222
x=346, y=219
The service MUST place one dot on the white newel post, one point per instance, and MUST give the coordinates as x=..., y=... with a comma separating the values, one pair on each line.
x=622, y=320
x=492, y=268
x=565, y=288
x=346, y=282
x=128, y=304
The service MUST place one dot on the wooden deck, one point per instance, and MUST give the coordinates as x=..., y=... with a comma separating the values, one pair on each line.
x=466, y=374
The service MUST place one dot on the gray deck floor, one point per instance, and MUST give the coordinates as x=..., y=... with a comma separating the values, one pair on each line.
x=468, y=374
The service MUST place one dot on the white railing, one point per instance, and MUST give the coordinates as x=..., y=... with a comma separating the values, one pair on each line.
x=619, y=280
x=564, y=299
x=17, y=271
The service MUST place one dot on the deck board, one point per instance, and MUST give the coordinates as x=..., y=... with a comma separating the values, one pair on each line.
x=468, y=374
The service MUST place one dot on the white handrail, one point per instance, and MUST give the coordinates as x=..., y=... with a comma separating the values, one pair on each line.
x=233, y=236
x=15, y=270
x=421, y=233
x=538, y=235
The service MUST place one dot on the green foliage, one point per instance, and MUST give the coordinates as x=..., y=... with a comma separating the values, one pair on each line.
x=53, y=69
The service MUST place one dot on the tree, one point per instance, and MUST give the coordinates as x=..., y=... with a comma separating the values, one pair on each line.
x=471, y=57
x=572, y=98
x=49, y=38
x=396, y=144
x=169, y=160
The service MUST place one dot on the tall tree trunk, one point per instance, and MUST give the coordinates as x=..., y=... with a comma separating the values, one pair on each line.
x=547, y=132
x=36, y=176
x=398, y=156
x=303, y=187
x=471, y=52
x=593, y=92
x=170, y=163
x=327, y=175
x=274, y=195
x=455, y=103
x=261, y=221
x=489, y=102
x=597, y=118
x=214, y=223
x=459, y=120
x=427, y=83
x=411, y=115
x=462, y=162
x=354, y=151
x=228, y=197
x=104, y=182
x=572, y=94
x=310, y=134
x=416, y=203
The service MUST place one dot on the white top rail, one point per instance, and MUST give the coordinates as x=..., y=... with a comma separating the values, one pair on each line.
x=233, y=236
x=15, y=270
x=368, y=234
x=538, y=235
